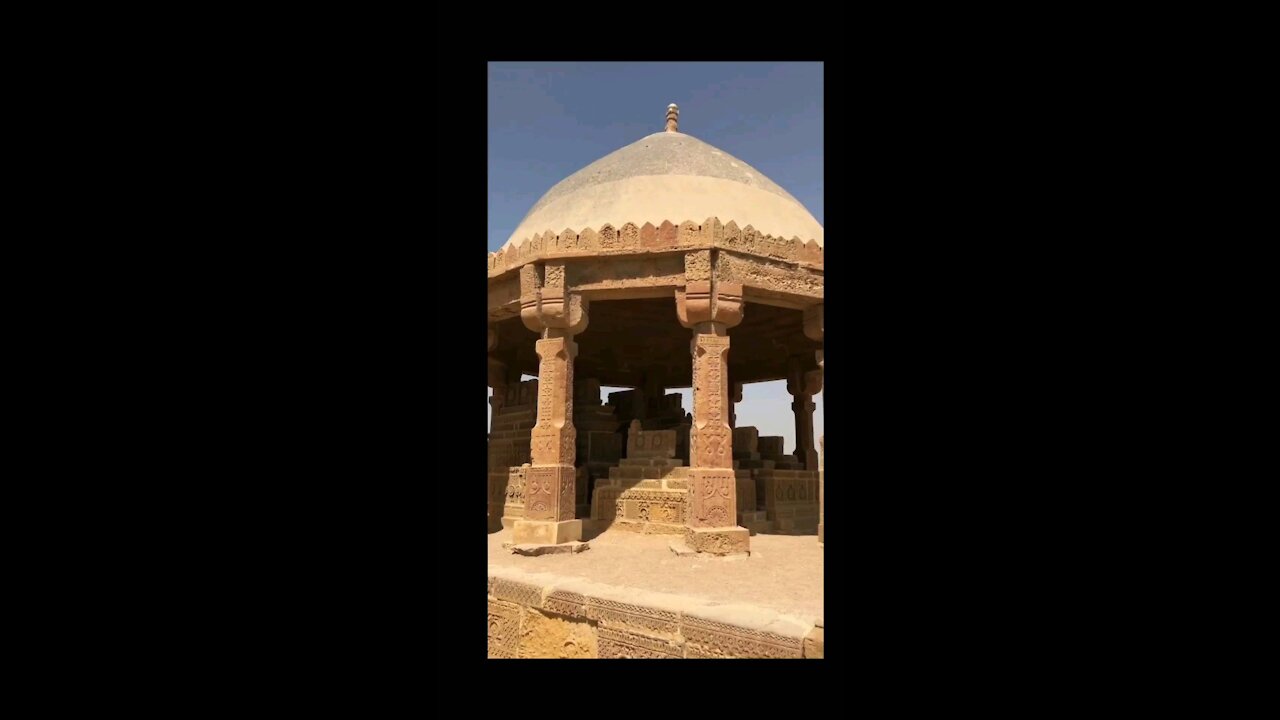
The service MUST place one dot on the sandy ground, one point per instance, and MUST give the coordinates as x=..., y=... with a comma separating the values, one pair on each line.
x=784, y=572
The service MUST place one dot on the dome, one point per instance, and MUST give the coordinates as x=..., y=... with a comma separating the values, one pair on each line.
x=668, y=176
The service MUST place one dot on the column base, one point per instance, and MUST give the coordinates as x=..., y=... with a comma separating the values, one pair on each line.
x=546, y=532
x=731, y=540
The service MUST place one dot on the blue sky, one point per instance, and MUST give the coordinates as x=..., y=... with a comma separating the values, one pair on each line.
x=549, y=120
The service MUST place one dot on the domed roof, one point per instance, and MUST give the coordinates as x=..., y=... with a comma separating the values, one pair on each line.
x=668, y=176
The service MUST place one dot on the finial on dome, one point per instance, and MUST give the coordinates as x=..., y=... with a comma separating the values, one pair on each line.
x=673, y=114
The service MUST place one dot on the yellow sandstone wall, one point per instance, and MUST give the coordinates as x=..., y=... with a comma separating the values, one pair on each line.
x=537, y=615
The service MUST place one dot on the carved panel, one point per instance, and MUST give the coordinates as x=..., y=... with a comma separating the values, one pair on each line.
x=504, y=629
x=620, y=615
x=619, y=644
x=517, y=592
x=552, y=441
x=712, y=497
x=712, y=443
x=717, y=639
x=548, y=492
x=565, y=602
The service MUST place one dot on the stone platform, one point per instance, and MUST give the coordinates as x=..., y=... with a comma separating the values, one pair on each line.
x=535, y=614
x=784, y=572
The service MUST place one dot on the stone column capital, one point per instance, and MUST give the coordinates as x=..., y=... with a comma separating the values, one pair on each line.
x=703, y=301
x=813, y=382
x=800, y=382
x=813, y=316
x=553, y=308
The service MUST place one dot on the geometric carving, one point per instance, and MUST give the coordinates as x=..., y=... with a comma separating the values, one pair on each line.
x=710, y=435
x=620, y=644
x=517, y=592
x=504, y=629
x=564, y=602
x=549, y=492
x=553, y=440
x=712, y=495
x=708, y=638
x=649, y=511
x=621, y=615
x=708, y=234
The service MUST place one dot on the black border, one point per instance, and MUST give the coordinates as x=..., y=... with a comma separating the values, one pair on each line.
x=317, y=322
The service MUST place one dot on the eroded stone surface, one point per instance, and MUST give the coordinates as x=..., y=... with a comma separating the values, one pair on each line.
x=546, y=635
x=718, y=540
x=813, y=643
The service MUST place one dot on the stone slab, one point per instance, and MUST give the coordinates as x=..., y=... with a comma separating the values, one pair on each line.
x=533, y=550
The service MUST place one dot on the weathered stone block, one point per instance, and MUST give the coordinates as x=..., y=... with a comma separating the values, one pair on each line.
x=546, y=532
x=551, y=636
x=718, y=541
x=650, y=443
x=771, y=446
x=604, y=502
x=745, y=440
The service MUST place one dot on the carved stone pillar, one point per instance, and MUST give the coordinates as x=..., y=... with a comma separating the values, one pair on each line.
x=711, y=526
x=803, y=386
x=549, y=512
x=813, y=329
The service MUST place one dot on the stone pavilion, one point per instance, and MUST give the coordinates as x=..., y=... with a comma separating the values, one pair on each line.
x=665, y=264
